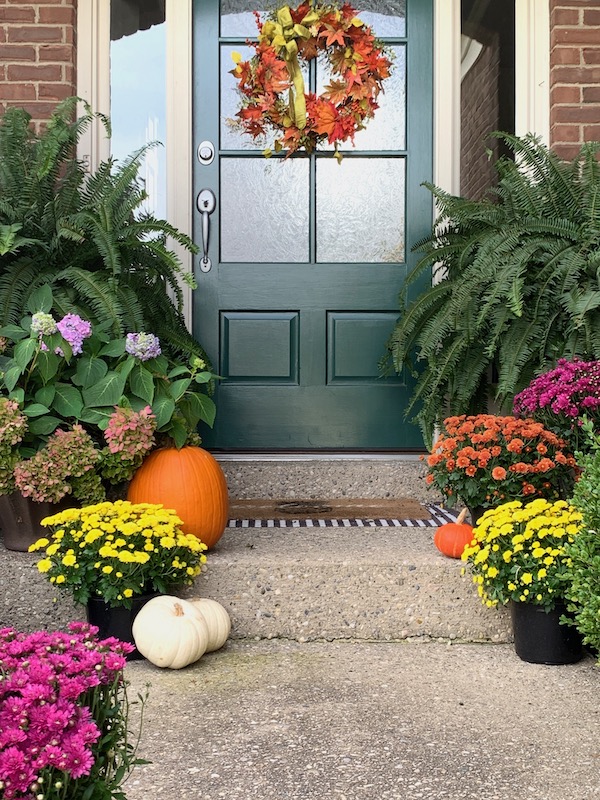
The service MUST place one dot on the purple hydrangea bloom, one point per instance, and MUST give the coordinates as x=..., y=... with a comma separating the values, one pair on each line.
x=142, y=345
x=74, y=330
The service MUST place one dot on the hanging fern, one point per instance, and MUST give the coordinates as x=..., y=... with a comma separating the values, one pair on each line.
x=518, y=284
x=87, y=236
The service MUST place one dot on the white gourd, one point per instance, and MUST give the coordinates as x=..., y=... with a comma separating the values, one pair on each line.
x=217, y=619
x=170, y=632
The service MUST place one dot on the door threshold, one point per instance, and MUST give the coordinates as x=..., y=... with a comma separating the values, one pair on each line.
x=321, y=456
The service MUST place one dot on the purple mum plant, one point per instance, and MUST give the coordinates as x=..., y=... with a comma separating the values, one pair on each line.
x=562, y=398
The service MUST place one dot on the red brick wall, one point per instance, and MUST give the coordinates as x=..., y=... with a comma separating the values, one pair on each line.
x=574, y=74
x=37, y=54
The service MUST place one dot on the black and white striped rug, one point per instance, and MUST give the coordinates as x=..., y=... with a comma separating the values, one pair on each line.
x=438, y=516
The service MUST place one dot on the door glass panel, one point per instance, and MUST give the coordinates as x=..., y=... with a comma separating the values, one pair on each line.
x=138, y=91
x=387, y=18
x=237, y=18
x=264, y=210
x=232, y=137
x=387, y=129
x=360, y=210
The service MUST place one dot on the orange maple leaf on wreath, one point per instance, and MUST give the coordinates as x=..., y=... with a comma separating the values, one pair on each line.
x=336, y=91
x=325, y=117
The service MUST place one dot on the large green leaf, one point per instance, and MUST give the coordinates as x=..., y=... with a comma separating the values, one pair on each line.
x=115, y=348
x=197, y=407
x=45, y=395
x=40, y=299
x=107, y=392
x=47, y=363
x=97, y=416
x=11, y=376
x=14, y=332
x=67, y=401
x=89, y=371
x=24, y=352
x=42, y=426
x=179, y=388
x=35, y=410
x=163, y=408
x=142, y=383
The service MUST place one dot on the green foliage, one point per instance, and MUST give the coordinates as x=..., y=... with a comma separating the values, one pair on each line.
x=584, y=551
x=85, y=235
x=516, y=284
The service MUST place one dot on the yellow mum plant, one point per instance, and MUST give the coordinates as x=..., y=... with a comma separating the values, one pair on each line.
x=118, y=550
x=518, y=552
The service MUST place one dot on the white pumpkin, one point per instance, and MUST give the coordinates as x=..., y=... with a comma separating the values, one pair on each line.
x=217, y=619
x=170, y=632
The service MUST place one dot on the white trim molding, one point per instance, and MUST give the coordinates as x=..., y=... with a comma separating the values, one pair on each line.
x=446, y=95
x=179, y=146
x=93, y=75
x=532, y=68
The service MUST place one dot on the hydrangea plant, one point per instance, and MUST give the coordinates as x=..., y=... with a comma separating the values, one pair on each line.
x=79, y=409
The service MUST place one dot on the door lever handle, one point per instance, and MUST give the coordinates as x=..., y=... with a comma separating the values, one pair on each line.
x=206, y=202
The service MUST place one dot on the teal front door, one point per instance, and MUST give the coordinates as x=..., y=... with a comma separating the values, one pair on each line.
x=307, y=256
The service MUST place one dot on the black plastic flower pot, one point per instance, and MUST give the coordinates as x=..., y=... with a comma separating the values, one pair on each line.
x=540, y=638
x=117, y=621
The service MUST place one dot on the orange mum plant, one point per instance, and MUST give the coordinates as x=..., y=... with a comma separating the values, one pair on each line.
x=271, y=83
x=486, y=460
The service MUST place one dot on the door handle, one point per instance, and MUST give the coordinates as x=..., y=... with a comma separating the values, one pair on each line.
x=206, y=202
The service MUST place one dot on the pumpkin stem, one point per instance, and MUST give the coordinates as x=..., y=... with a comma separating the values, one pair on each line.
x=178, y=608
x=461, y=517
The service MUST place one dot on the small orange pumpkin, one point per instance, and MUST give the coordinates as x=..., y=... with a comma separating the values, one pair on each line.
x=190, y=481
x=452, y=538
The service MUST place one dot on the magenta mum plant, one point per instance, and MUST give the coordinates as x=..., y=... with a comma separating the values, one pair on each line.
x=64, y=727
x=562, y=398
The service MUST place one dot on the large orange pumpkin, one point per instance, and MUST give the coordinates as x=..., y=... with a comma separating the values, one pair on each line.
x=191, y=482
x=452, y=538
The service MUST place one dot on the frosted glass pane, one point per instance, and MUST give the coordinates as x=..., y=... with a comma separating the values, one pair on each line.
x=237, y=18
x=360, y=210
x=264, y=210
x=387, y=129
x=231, y=137
x=386, y=17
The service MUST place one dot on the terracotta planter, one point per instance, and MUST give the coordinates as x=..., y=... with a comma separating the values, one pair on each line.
x=20, y=519
x=117, y=620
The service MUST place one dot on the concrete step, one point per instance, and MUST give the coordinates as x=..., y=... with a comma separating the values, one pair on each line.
x=306, y=584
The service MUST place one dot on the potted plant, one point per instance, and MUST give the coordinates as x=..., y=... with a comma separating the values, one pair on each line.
x=562, y=398
x=518, y=555
x=515, y=284
x=113, y=557
x=69, y=688
x=584, y=551
x=81, y=408
x=485, y=459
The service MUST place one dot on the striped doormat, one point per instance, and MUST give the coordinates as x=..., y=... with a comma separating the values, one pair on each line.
x=336, y=513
